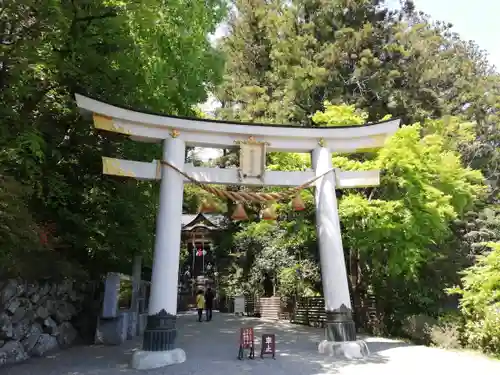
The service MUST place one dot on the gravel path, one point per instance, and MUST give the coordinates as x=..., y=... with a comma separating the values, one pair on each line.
x=211, y=349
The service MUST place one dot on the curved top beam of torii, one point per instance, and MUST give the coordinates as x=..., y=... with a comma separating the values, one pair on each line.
x=221, y=134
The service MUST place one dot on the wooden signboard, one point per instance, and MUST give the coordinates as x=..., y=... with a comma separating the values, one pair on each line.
x=268, y=345
x=246, y=342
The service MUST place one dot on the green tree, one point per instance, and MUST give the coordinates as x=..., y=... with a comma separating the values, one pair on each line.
x=475, y=230
x=246, y=82
x=151, y=55
x=399, y=231
x=382, y=63
x=306, y=51
x=396, y=236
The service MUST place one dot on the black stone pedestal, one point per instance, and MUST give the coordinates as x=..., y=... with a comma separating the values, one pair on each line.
x=160, y=332
x=340, y=325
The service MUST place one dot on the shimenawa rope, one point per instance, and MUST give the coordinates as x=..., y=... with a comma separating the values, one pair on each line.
x=246, y=196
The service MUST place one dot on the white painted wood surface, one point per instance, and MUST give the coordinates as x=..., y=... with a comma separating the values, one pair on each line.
x=164, y=278
x=333, y=268
x=151, y=128
x=229, y=176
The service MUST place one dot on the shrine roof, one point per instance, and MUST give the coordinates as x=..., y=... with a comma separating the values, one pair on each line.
x=209, y=221
x=187, y=218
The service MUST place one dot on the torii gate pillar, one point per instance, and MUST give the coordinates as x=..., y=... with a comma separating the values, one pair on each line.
x=339, y=323
x=158, y=348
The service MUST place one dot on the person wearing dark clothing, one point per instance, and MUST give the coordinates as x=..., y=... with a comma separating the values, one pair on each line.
x=209, y=303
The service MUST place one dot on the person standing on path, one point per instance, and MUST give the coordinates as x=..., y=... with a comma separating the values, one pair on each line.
x=209, y=301
x=200, y=304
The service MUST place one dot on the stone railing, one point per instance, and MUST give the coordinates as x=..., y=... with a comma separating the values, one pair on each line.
x=124, y=309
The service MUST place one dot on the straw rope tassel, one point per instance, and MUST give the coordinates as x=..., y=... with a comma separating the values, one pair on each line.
x=269, y=213
x=239, y=213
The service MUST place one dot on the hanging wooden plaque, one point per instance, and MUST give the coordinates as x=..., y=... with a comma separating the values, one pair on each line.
x=252, y=159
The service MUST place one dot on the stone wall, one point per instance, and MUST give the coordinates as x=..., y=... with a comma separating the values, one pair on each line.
x=36, y=318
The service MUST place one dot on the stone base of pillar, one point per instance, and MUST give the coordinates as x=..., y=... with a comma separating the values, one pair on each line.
x=145, y=360
x=340, y=334
x=158, y=346
x=347, y=349
x=340, y=326
x=340, y=331
x=160, y=332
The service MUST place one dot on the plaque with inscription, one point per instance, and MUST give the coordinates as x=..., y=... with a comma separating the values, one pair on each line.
x=252, y=160
x=268, y=345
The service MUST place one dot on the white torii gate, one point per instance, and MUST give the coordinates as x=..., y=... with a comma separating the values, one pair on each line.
x=176, y=133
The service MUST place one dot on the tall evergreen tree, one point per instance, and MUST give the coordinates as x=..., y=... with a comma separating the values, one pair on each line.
x=247, y=82
x=285, y=58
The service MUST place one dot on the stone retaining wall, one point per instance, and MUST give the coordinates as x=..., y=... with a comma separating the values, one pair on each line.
x=36, y=318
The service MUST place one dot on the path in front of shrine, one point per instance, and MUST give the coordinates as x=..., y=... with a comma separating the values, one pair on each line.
x=212, y=348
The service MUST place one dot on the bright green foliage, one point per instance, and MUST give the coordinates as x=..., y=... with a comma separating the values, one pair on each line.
x=296, y=61
x=339, y=115
x=424, y=187
x=274, y=251
x=400, y=230
x=480, y=301
x=151, y=55
x=398, y=227
x=287, y=161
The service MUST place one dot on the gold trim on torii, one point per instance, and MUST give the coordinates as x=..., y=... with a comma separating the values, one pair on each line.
x=174, y=133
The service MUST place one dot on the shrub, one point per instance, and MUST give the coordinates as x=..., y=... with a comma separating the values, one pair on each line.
x=448, y=332
x=484, y=333
x=480, y=303
x=445, y=332
x=418, y=328
x=23, y=251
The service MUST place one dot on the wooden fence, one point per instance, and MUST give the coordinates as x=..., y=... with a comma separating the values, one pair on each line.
x=308, y=311
x=305, y=310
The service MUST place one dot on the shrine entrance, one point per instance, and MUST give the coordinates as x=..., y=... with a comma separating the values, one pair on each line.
x=254, y=141
x=197, y=236
x=199, y=270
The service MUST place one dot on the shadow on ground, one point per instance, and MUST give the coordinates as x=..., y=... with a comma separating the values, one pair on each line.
x=212, y=348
